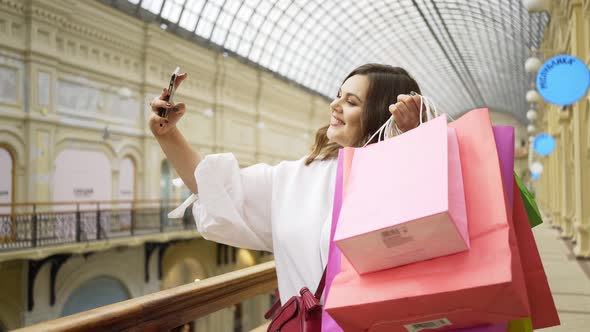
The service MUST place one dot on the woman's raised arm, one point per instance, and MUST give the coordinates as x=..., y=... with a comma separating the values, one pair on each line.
x=178, y=151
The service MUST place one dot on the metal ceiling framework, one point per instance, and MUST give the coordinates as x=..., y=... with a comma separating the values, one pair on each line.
x=464, y=53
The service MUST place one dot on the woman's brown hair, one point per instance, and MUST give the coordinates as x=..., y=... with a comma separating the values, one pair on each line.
x=385, y=84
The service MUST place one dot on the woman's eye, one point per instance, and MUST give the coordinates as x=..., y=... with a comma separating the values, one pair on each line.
x=350, y=102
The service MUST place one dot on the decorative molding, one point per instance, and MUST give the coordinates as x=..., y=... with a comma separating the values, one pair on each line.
x=34, y=267
x=149, y=249
x=570, y=6
x=67, y=22
x=564, y=117
x=15, y=6
x=13, y=140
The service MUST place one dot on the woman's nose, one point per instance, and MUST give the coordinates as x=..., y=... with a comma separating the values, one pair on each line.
x=335, y=106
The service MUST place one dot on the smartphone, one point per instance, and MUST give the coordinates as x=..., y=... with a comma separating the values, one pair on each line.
x=163, y=112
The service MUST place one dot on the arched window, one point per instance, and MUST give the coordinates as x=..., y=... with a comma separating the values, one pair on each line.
x=6, y=193
x=82, y=176
x=126, y=179
x=7, y=176
x=183, y=272
x=126, y=191
x=165, y=181
x=165, y=189
x=95, y=293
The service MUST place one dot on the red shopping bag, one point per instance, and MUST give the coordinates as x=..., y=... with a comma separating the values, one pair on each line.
x=543, y=311
x=481, y=286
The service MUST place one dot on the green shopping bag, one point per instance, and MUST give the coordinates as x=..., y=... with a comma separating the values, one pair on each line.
x=532, y=210
x=520, y=325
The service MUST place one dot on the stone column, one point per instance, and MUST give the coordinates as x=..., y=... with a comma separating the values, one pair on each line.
x=564, y=161
x=580, y=22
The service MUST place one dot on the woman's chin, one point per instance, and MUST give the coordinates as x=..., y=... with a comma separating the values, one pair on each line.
x=331, y=133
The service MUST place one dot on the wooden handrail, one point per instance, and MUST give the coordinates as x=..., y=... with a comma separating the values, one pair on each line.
x=167, y=309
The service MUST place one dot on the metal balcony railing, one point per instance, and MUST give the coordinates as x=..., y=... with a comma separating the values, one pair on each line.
x=32, y=225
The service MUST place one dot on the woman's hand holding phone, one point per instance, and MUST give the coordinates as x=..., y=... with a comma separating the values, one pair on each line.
x=161, y=125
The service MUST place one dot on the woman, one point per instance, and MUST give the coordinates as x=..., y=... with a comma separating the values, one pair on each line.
x=286, y=209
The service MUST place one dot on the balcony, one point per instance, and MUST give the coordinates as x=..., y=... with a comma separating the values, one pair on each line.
x=48, y=236
x=33, y=230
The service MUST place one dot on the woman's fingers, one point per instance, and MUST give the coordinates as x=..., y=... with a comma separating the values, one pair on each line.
x=407, y=112
x=176, y=112
x=179, y=108
x=412, y=102
x=399, y=110
x=163, y=94
x=179, y=79
x=411, y=114
x=158, y=103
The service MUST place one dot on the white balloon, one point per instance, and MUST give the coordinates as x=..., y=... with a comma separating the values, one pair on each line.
x=531, y=115
x=125, y=92
x=532, y=96
x=530, y=129
x=536, y=167
x=532, y=64
x=536, y=5
x=208, y=113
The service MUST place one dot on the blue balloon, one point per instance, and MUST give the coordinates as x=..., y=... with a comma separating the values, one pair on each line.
x=544, y=144
x=563, y=80
x=535, y=176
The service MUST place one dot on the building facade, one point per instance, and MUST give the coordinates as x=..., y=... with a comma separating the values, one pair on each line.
x=562, y=189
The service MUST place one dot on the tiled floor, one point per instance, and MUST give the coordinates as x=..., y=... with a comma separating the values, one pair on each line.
x=569, y=283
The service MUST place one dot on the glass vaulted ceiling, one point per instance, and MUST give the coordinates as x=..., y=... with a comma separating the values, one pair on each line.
x=463, y=53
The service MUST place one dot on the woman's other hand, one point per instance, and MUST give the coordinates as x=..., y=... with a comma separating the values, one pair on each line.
x=161, y=126
x=406, y=112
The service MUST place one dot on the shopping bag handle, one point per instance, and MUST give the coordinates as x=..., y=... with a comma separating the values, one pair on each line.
x=391, y=127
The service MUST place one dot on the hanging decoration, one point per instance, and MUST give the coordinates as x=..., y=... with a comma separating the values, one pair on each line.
x=563, y=80
x=544, y=144
x=536, y=167
x=531, y=115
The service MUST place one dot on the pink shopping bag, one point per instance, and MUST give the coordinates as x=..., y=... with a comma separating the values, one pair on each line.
x=333, y=267
x=399, y=212
x=504, y=137
x=481, y=286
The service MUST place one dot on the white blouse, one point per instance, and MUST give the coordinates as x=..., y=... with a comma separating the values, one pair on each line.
x=285, y=209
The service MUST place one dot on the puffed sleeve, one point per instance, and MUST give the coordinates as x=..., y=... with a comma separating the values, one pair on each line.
x=233, y=205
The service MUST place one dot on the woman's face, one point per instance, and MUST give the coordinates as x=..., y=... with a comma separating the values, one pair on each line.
x=346, y=109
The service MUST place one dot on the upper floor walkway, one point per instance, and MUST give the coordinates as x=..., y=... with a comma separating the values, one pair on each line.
x=40, y=229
